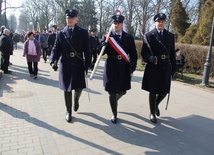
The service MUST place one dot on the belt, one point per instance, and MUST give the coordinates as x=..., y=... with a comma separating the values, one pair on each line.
x=162, y=56
x=118, y=57
x=72, y=54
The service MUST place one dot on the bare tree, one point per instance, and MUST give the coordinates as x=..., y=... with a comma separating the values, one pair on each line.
x=24, y=21
x=12, y=22
x=1, y=1
x=46, y=10
x=87, y=14
x=158, y=6
x=42, y=11
x=4, y=10
x=100, y=9
x=144, y=12
x=61, y=6
x=137, y=12
x=105, y=9
x=30, y=9
x=128, y=11
x=192, y=9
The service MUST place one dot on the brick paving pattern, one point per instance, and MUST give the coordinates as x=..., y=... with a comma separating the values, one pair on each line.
x=32, y=118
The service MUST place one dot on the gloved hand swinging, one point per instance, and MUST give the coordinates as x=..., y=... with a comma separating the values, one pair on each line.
x=54, y=65
x=153, y=59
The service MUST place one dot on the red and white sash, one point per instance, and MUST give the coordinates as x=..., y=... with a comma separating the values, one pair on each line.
x=118, y=49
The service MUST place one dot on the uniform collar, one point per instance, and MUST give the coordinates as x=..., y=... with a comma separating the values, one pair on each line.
x=69, y=28
x=159, y=31
x=118, y=33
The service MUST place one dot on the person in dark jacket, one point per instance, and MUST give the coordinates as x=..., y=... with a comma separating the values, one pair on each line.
x=6, y=46
x=16, y=39
x=43, y=41
x=1, y=58
x=180, y=60
x=52, y=38
x=36, y=35
x=11, y=33
x=94, y=44
x=120, y=64
x=158, y=51
x=71, y=49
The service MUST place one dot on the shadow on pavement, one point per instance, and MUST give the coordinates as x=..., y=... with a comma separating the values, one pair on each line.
x=91, y=91
x=23, y=115
x=20, y=72
x=4, y=87
x=183, y=134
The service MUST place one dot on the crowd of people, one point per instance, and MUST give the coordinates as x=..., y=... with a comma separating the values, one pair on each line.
x=74, y=50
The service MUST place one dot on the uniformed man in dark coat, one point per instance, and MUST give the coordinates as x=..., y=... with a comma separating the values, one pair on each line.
x=94, y=44
x=71, y=49
x=118, y=70
x=159, y=52
x=52, y=38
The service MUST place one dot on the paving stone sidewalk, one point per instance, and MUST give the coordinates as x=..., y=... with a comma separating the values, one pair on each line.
x=32, y=118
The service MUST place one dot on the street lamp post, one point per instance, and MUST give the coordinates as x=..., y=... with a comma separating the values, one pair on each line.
x=207, y=64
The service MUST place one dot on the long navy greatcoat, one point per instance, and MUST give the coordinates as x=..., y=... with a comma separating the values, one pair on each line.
x=117, y=71
x=157, y=78
x=71, y=69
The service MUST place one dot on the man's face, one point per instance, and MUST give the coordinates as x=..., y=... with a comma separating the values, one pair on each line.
x=8, y=33
x=54, y=29
x=93, y=33
x=71, y=21
x=118, y=27
x=159, y=24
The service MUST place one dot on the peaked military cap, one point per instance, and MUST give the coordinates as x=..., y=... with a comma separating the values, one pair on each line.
x=117, y=18
x=93, y=30
x=55, y=26
x=71, y=13
x=159, y=16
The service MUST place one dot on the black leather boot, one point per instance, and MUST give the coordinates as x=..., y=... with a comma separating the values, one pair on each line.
x=152, y=100
x=77, y=95
x=158, y=100
x=113, y=103
x=68, y=103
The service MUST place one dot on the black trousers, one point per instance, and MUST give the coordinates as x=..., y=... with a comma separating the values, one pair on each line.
x=68, y=98
x=94, y=58
x=5, y=63
x=113, y=99
x=154, y=101
x=45, y=53
x=33, y=67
